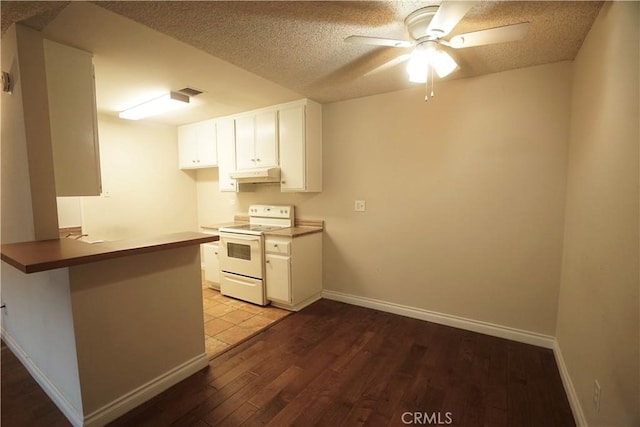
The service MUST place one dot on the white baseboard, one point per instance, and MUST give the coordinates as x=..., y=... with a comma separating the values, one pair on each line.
x=574, y=402
x=540, y=340
x=118, y=407
x=300, y=305
x=72, y=413
x=127, y=402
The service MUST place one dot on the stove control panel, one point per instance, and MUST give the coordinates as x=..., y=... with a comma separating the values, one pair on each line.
x=271, y=211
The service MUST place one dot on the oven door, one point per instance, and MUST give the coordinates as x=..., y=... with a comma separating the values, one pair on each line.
x=241, y=254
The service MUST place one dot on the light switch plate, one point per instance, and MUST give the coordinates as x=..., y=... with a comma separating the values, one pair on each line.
x=360, y=206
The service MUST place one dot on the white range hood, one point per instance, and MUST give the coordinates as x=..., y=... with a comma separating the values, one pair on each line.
x=248, y=176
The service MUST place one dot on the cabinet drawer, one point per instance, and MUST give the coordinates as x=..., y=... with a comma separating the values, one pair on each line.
x=278, y=246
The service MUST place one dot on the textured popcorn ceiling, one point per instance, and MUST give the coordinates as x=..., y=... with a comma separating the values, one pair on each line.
x=299, y=45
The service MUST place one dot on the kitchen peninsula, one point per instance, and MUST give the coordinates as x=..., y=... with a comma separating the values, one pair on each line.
x=128, y=318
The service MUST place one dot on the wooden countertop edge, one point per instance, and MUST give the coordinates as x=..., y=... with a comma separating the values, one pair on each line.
x=30, y=262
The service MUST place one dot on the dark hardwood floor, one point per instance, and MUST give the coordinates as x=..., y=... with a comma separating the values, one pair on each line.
x=335, y=364
x=22, y=401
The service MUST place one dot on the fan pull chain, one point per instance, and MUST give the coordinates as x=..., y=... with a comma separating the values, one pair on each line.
x=426, y=86
x=426, y=91
x=432, y=91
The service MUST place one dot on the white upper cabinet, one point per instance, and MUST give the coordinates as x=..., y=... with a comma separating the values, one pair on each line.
x=300, y=146
x=256, y=140
x=267, y=139
x=285, y=135
x=197, y=147
x=225, y=132
x=245, y=142
x=73, y=120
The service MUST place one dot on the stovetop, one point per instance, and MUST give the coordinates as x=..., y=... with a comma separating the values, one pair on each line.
x=258, y=228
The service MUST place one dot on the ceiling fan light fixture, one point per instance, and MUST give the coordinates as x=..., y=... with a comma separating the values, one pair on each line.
x=418, y=77
x=155, y=106
x=442, y=63
x=427, y=55
x=418, y=65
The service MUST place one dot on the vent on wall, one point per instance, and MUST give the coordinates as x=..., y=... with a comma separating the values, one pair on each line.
x=190, y=92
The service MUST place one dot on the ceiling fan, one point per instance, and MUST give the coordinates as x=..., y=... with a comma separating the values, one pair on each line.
x=427, y=27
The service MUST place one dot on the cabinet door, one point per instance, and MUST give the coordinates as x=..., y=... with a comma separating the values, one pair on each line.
x=226, y=154
x=245, y=143
x=187, y=146
x=211, y=264
x=278, y=278
x=292, y=149
x=73, y=120
x=266, y=141
x=207, y=154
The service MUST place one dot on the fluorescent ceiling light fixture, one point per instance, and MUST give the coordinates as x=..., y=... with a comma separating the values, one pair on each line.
x=159, y=105
x=426, y=56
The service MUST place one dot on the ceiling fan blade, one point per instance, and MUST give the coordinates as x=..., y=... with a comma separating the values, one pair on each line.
x=448, y=15
x=378, y=41
x=504, y=34
x=389, y=64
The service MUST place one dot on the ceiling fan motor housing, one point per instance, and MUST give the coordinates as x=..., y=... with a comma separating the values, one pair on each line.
x=418, y=22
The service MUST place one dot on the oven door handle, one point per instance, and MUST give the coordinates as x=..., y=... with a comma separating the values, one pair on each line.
x=243, y=282
x=241, y=238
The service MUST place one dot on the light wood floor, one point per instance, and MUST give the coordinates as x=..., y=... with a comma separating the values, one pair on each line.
x=335, y=364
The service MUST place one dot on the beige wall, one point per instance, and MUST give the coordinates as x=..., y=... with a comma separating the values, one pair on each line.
x=27, y=139
x=122, y=347
x=464, y=193
x=598, y=320
x=37, y=321
x=17, y=211
x=144, y=191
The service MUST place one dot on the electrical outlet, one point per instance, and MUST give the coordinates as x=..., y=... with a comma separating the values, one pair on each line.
x=360, y=206
x=597, y=394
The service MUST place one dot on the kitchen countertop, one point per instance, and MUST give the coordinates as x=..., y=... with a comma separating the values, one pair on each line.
x=294, y=231
x=34, y=256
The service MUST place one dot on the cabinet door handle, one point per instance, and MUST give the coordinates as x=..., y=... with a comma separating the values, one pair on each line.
x=257, y=160
x=283, y=182
x=267, y=262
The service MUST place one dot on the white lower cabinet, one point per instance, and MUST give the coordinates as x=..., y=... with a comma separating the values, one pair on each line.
x=211, y=265
x=293, y=271
x=278, y=270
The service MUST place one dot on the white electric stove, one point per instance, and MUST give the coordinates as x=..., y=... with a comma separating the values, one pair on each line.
x=242, y=252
